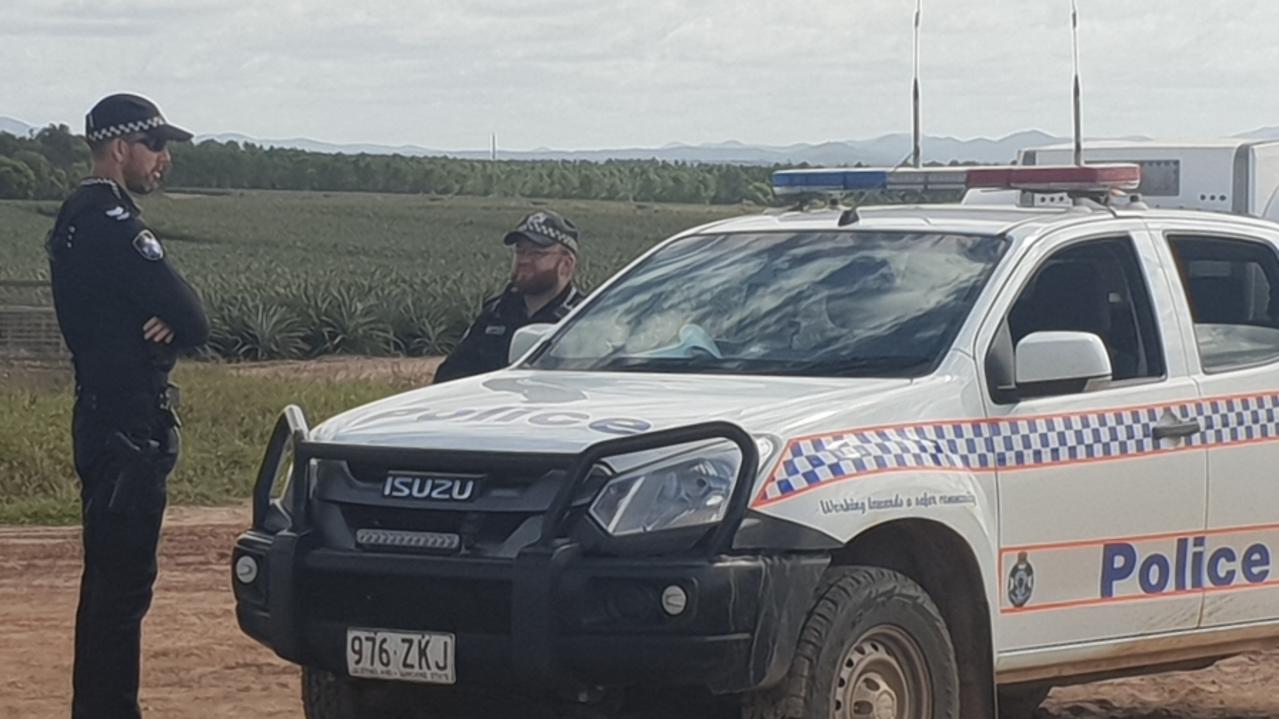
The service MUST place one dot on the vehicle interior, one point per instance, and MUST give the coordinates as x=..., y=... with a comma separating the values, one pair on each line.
x=1094, y=287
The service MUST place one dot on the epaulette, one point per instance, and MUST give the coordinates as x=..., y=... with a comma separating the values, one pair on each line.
x=105, y=195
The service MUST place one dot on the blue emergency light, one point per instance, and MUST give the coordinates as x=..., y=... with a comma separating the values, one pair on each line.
x=1042, y=178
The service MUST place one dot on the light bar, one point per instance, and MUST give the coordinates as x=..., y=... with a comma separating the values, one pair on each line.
x=401, y=539
x=1042, y=178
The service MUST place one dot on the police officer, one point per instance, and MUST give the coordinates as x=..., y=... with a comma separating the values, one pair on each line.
x=125, y=313
x=541, y=290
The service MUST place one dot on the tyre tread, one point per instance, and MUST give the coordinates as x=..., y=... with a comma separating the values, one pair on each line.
x=840, y=586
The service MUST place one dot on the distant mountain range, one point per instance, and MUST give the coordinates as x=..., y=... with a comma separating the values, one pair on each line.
x=885, y=150
x=889, y=149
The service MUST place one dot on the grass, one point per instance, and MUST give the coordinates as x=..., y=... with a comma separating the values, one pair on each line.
x=227, y=417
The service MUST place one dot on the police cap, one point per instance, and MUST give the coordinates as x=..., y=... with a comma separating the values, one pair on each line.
x=123, y=114
x=545, y=228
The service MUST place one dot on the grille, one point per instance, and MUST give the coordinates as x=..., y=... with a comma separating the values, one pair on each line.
x=478, y=530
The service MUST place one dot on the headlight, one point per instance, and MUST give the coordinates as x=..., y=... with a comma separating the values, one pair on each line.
x=688, y=490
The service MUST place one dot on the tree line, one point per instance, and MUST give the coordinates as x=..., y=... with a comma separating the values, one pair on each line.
x=48, y=164
x=44, y=166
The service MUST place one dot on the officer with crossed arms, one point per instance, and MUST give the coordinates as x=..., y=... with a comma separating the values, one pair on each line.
x=125, y=314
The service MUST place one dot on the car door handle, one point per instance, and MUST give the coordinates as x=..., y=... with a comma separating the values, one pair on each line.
x=1174, y=427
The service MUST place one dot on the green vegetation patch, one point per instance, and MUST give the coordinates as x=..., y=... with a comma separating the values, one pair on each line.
x=227, y=417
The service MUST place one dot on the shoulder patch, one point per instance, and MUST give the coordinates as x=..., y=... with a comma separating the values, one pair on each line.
x=148, y=246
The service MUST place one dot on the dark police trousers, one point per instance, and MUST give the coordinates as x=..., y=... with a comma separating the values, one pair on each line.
x=123, y=467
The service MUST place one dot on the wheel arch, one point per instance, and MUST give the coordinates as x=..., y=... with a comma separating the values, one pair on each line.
x=943, y=562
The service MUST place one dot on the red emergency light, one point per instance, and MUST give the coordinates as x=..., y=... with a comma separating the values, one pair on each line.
x=1042, y=178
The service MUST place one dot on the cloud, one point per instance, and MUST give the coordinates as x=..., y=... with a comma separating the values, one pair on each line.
x=445, y=73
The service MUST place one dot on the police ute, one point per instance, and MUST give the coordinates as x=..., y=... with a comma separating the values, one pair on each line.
x=897, y=462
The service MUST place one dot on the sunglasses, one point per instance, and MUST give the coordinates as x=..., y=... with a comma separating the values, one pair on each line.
x=154, y=144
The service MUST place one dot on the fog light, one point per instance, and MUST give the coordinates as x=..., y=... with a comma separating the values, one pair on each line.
x=246, y=569
x=674, y=600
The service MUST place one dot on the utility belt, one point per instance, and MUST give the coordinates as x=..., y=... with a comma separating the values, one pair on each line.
x=133, y=406
x=140, y=431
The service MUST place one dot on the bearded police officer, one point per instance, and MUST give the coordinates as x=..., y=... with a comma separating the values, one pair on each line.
x=541, y=289
x=125, y=314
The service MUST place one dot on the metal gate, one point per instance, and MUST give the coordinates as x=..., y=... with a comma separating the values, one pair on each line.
x=28, y=325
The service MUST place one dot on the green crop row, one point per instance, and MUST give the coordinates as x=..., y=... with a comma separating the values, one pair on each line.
x=303, y=274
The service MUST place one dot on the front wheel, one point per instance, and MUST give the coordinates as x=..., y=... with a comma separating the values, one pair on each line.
x=873, y=646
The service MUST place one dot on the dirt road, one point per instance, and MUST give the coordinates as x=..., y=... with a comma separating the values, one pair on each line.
x=199, y=666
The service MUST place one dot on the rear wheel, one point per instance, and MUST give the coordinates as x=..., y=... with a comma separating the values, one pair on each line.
x=873, y=646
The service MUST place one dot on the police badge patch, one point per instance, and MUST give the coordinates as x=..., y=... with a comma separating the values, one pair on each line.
x=148, y=246
x=1021, y=581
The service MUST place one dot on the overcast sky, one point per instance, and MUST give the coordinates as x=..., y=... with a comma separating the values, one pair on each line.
x=613, y=73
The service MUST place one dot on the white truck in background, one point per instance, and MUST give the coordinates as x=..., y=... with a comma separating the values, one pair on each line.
x=1232, y=175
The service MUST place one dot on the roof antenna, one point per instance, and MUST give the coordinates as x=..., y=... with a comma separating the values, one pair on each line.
x=917, y=158
x=1074, y=25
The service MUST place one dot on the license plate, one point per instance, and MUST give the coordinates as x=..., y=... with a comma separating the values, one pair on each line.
x=404, y=656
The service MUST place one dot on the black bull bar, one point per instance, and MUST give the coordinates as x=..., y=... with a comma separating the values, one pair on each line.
x=536, y=569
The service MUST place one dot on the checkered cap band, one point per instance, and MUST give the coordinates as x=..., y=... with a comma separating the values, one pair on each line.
x=552, y=232
x=128, y=128
x=1017, y=443
x=545, y=227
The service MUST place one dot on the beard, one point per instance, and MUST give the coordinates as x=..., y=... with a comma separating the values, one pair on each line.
x=534, y=283
x=141, y=184
x=141, y=181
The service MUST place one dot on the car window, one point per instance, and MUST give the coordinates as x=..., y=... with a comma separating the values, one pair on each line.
x=1097, y=287
x=833, y=304
x=1232, y=287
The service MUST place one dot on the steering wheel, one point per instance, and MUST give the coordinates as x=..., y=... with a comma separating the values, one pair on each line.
x=692, y=340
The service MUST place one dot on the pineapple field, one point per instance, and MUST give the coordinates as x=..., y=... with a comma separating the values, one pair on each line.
x=296, y=275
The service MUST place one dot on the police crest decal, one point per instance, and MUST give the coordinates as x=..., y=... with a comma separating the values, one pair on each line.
x=148, y=246
x=1021, y=581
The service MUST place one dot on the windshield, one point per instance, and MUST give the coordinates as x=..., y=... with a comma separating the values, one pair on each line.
x=839, y=304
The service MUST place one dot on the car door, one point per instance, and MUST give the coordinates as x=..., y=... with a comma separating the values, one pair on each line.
x=1230, y=280
x=1098, y=481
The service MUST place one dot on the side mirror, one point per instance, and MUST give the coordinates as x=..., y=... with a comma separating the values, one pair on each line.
x=1044, y=358
x=524, y=340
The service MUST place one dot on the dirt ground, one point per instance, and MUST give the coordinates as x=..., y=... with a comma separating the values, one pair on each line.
x=198, y=665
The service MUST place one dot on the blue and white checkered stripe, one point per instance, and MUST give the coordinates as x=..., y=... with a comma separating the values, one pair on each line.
x=1232, y=420
x=1015, y=443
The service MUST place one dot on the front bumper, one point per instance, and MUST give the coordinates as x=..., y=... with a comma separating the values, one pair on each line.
x=552, y=613
x=547, y=618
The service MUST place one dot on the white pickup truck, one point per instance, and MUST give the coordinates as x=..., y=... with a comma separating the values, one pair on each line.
x=914, y=462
